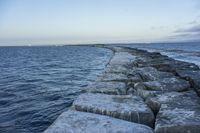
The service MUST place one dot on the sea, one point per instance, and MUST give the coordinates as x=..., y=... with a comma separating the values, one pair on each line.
x=38, y=83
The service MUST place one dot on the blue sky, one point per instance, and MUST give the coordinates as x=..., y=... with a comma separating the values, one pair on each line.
x=38, y=22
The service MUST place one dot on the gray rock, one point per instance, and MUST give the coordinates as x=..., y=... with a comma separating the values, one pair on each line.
x=114, y=88
x=178, y=120
x=81, y=122
x=142, y=92
x=166, y=84
x=164, y=63
x=179, y=113
x=165, y=98
x=193, y=77
x=126, y=107
x=146, y=74
x=135, y=78
x=117, y=69
x=151, y=74
x=122, y=58
x=114, y=77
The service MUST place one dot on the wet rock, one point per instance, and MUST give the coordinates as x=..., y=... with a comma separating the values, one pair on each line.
x=81, y=122
x=159, y=62
x=117, y=69
x=146, y=74
x=179, y=114
x=126, y=107
x=193, y=77
x=155, y=102
x=135, y=78
x=151, y=74
x=114, y=88
x=165, y=84
x=181, y=65
x=122, y=58
x=141, y=91
x=114, y=77
x=164, y=63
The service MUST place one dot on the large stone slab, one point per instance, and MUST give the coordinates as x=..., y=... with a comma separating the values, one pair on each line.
x=165, y=84
x=122, y=58
x=114, y=88
x=193, y=77
x=151, y=74
x=134, y=78
x=151, y=88
x=126, y=107
x=190, y=99
x=178, y=120
x=114, y=77
x=117, y=69
x=81, y=122
x=179, y=113
x=146, y=74
x=164, y=63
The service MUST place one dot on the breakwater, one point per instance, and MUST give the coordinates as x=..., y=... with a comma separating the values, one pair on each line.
x=139, y=92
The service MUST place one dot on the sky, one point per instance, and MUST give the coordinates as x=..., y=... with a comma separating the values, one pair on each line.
x=41, y=22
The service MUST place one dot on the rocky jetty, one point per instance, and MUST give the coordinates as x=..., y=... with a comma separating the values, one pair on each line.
x=139, y=92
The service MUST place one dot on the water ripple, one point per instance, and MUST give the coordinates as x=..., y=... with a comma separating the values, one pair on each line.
x=39, y=83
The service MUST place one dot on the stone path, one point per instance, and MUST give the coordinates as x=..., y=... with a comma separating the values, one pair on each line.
x=139, y=92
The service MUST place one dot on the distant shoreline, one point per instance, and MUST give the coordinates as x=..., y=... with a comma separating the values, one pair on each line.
x=94, y=44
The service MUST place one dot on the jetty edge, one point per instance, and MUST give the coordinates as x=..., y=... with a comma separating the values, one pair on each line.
x=138, y=92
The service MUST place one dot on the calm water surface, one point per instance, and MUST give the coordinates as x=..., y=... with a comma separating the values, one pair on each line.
x=39, y=83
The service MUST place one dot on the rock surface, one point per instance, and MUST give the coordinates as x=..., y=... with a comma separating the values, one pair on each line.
x=179, y=113
x=117, y=69
x=167, y=84
x=151, y=74
x=114, y=88
x=155, y=102
x=80, y=122
x=122, y=58
x=193, y=77
x=114, y=77
x=126, y=107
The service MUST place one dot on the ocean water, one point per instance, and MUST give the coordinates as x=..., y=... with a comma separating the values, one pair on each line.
x=189, y=52
x=39, y=83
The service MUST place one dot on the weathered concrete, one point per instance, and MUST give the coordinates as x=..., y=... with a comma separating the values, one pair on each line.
x=163, y=63
x=81, y=122
x=120, y=58
x=166, y=84
x=145, y=74
x=126, y=107
x=178, y=120
x=146, y=89
x=193, y=77
x=155, y=102
x=117, y=69
x=151, y=74
x=177, y=112
x=114, y=88
x=114, y=77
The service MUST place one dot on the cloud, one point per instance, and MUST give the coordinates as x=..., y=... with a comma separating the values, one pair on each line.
x=193, y=29
x=184, y=37
x=190, y=32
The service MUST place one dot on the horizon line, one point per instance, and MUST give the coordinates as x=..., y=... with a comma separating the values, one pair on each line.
x=86, y=44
